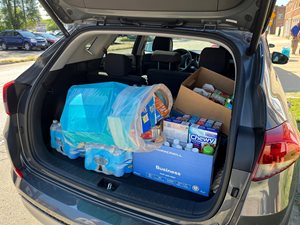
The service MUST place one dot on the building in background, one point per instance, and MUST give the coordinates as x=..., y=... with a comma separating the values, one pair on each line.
x=292, y=16
x=277, y=21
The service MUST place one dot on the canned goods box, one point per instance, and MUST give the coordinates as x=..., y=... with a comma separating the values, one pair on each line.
x=190, y=102
x=186, y=170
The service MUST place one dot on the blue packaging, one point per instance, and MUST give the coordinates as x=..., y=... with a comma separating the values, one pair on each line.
x=182, y=169
x=194, y=119
x=107, y=160
x=150, y=116
x=202, y=135
x=286, y=51
x=62, y=145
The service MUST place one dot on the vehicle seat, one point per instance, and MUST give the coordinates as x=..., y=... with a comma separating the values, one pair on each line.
x=169, y=77
x=218, y=60
x=159, y=43
x=117, y=67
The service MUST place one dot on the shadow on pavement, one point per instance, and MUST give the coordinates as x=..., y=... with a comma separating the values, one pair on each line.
x=290, y=81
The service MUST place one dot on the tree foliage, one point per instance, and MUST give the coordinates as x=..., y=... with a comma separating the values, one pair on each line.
x=50, y=25
x=19, y=14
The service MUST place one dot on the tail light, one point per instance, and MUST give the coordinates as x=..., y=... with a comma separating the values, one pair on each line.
x=280, y=150
x=5, y=100
x=18, y=172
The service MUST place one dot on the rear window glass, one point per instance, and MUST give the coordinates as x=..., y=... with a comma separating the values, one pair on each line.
x=188, y=44
x=122, y=45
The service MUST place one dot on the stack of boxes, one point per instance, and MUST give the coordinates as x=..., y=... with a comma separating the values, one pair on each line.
x=182, y=168
x=185, y=169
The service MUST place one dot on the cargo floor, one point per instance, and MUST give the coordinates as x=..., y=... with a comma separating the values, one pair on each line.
x=129, y=187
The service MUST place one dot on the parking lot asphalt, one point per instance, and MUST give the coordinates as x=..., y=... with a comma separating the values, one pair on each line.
x=15, y=53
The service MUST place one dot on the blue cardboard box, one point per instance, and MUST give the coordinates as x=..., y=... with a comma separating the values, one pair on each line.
x=182, y=169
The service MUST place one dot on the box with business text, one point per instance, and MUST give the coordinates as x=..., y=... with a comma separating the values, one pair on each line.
x=179, y=168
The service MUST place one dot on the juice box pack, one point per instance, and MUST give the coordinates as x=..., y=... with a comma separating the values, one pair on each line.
x=201, y=136
x=176, y=129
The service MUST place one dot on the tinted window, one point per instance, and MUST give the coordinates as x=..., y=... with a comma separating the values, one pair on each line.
x=17, y=34
x=9, y=33
x=27, y=34
x=49, y=36
x=123, y=44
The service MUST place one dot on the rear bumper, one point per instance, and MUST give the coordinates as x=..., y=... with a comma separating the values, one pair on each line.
x=39, y=45
x=281, y=218
x=271, y=201
x=52, y=204
x=40, y=215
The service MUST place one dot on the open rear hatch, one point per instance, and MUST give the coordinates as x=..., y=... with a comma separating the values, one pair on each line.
x=246, y=15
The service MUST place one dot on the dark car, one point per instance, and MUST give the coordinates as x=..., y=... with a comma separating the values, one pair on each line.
x=21, y=39
x=51, y=39
x=257, y=165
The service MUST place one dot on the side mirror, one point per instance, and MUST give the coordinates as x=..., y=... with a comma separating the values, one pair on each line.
x=271, y=45
x=279, y=58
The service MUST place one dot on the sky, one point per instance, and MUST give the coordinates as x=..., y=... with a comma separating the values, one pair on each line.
x=282, y=2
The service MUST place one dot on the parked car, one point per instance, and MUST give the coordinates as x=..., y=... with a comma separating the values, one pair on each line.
x=21, y=39
x=51, y=39
x=259, y=161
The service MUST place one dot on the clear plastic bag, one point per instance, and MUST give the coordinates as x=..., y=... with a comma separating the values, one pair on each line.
x=109, y=113
x=125, y=120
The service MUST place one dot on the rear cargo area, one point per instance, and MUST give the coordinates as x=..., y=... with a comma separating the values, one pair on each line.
x=130, y=188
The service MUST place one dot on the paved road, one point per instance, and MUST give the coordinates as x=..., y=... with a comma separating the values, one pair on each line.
x=11, y=209
x=289, y=73
x=15, y=53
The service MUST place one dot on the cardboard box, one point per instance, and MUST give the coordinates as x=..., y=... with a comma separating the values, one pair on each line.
x=192, y=103
x=182, y=169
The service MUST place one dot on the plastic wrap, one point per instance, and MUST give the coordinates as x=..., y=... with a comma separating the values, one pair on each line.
x=108, y=160
x=109, y=113
x=84, y=118
x=125, y=120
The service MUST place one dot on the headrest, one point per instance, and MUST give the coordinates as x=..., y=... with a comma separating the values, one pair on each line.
x=117, y=65
x=162, y=43
x=214, y=59
x=166, y=57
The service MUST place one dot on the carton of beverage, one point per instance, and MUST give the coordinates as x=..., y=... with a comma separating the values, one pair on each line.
x=176, y=129
x=201, y=136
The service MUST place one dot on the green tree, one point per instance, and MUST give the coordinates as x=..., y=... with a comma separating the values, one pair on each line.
x=50, y=25
x=19, y=14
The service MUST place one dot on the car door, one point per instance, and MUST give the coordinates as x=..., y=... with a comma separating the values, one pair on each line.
x=18, y=39
x=9, y=38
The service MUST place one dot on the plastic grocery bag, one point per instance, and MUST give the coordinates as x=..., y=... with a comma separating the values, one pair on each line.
x=125, y=120
x=109, y=113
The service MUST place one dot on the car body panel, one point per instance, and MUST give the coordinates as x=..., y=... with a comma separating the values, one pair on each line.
x=273, y=195
x=238, y=13
x=68, y=206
